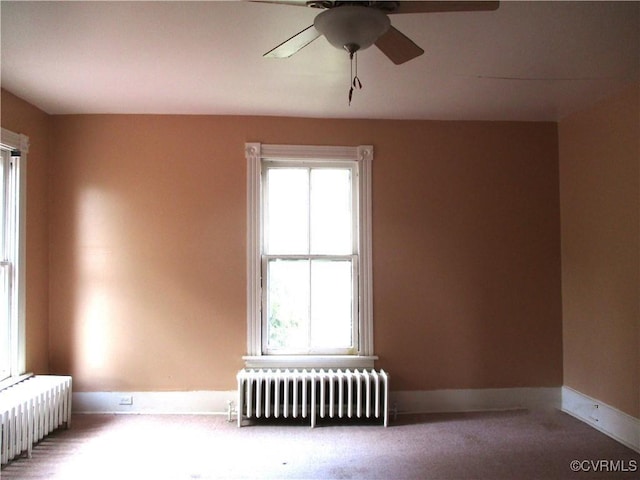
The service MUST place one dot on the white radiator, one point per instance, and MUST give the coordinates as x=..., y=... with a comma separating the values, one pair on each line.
x=31, y=409
x=313, y=393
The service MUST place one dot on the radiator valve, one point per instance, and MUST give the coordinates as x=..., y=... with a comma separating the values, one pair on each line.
x=231, y=409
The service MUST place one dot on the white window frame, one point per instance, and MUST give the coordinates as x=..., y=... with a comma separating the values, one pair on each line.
x=17, y=143
x=362, y=157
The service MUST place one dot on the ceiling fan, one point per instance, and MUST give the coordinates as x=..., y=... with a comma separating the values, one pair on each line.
x=354, y=26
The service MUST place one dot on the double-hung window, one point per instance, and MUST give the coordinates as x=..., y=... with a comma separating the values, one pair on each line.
x=13, y=148
x=309, y=256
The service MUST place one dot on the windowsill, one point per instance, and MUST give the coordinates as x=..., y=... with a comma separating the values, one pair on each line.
x=8, y=382
x=309, y=361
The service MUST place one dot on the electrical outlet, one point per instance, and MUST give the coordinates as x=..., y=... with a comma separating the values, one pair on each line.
x=595, y=413
x=126, y=400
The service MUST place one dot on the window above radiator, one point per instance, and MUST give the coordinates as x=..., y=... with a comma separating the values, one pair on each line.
x=309, y=301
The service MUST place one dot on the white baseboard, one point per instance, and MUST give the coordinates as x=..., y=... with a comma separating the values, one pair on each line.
x=217, y=402
x=618, y=425
x=470, y=400
x=197, y=402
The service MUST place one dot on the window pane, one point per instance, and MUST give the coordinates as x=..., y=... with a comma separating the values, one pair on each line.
x=287, y=226
x=5, y=341
x=288, y=304
x=331, y=304
x=5, y=270
x=331, y=221
x=3, y=207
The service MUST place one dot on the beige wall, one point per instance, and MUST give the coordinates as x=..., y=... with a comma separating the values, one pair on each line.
x=600, y=198
x=140, y=284
x=21, y=117
x=141, y=272
x=466, y=254
x=148, y=227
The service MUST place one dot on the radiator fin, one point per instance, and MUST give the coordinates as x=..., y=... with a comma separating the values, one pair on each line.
x=312, y=393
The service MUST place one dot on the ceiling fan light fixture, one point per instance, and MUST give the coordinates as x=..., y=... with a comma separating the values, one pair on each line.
x=352, y=27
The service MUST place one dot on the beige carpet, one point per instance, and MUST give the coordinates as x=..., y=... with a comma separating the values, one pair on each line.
x=496, y=445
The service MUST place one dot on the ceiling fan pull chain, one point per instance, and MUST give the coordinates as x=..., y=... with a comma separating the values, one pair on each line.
x=355, y=81
x=351, y=77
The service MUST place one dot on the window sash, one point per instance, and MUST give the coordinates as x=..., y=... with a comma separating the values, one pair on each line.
x=307, y=169
x=352, y=167
x=309, y=349
x=6, y=323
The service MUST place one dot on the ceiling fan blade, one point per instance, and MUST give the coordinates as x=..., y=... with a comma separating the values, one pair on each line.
x=294, y=3
x=398, y=47
x=444, y=6
x=295, y=43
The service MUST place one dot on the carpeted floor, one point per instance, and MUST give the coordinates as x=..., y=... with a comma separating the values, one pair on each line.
x=494, y=445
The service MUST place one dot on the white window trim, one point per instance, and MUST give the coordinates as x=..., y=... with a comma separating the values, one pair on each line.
x=363, y=155
x=14, y=141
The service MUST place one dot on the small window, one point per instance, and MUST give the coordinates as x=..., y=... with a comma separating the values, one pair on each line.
x=309, y=256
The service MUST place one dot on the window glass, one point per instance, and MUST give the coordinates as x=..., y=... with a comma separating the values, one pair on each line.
x=287, y=224
x=331, y=303
x=5, y=266
x=288, y=304
x=331, y=221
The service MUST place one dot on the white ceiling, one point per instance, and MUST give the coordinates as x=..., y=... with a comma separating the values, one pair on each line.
x=524, y=61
